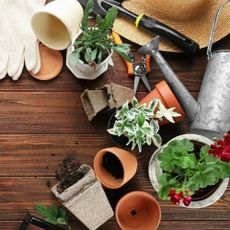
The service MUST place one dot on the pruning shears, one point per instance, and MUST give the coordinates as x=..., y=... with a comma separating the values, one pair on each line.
x=137, y=68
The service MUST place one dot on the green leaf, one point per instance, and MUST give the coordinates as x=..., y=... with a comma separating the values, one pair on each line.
x=41, y=209
x=53, y=209
x=52, y=214
x=51, y=220
x=188, y=161
x=140, y=119
x=94, y=54
x=62, y=213
x=157, y=140
x=134, y=102
x=74, y=57
x=61, y=220
x=109, y=19
x=204, y=151
x=153, y=104
x=99, y=56
x=88, y=9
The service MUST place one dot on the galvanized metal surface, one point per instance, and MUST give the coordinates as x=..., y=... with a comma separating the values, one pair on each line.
x=214, y=97
x=210, y=116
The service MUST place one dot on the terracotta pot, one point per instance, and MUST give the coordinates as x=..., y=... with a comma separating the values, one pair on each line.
x=127, y=161
x=138, y=211
x=163, y=92
x=212, y=193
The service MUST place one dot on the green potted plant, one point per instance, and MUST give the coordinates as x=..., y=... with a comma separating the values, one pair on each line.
x=191, y=170
x=89, y=55
x=134, y=125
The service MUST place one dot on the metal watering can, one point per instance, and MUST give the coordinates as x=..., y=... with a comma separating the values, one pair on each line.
x=210, y=114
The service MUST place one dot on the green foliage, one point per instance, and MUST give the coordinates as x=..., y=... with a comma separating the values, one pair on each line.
x=187, y=173
x=53, y=214
x=94, y=44
x=139, y=123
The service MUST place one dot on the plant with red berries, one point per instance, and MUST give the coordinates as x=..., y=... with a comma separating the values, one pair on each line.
x=188, y=167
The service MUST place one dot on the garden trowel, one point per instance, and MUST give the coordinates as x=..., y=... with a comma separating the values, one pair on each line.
x=150, y=24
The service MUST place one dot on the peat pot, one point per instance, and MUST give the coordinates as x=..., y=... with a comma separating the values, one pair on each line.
x=85, y=199
x=85, y=71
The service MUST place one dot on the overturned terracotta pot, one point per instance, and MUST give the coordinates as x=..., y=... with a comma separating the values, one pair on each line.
x=85, y=199
x=138, y=210
x=163, y=92
x=114, y=167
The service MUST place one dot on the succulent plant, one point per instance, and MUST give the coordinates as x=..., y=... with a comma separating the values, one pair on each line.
x=139, y=123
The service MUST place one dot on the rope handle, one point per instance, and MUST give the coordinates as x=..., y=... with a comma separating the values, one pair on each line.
x=213, y=28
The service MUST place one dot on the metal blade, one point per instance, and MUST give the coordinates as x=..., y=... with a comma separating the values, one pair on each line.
x=136, y=83
x=146, y=82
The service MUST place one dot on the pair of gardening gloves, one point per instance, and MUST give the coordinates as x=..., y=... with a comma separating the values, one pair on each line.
x=18, y=44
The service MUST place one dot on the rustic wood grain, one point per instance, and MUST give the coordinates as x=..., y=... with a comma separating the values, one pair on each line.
x=165, y=225
x=47, y=112
x=41, y=122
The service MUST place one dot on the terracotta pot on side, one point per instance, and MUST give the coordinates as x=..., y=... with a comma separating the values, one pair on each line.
x=163, y=92
x=128, y=163
x=138, y=211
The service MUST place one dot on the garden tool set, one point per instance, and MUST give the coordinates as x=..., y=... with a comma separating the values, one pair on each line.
x=32, y=220
x=147, y=23
x=210, y=114
x=136, y=68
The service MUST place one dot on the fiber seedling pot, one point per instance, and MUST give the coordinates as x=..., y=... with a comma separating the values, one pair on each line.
x=138, y=211
x=85, y=199
x=114, y=167
x=85, y=71
x=163, y=92
x=203, y=197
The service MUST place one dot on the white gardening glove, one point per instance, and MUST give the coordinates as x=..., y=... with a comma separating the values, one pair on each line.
x=23, y=42
x=5, y=43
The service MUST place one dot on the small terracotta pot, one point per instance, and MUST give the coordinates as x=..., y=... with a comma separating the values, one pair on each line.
x=128, y=163
x=163, y=92
x=138, y=211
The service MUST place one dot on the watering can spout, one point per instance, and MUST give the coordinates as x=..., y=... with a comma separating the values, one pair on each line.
x=189, y=104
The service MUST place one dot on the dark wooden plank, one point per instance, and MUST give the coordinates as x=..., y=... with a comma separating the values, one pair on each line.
x=39, y=155
x=18, y=195
x=164, y=225
x=190, y=72
x=47, y=112
x=76, y=225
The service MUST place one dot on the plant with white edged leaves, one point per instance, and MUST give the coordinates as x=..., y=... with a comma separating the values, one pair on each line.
x=140, y=123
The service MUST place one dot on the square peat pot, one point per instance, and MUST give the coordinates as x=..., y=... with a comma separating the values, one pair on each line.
x=86, y=199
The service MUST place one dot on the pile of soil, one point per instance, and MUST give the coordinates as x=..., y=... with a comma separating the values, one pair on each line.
x=69, y=172
x=72, y=178
x=66, y=167
x=113, y=165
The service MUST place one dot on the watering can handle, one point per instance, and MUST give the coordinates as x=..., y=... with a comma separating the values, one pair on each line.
x=210, y=43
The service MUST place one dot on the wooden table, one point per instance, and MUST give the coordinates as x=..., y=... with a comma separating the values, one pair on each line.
x=41, y=122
